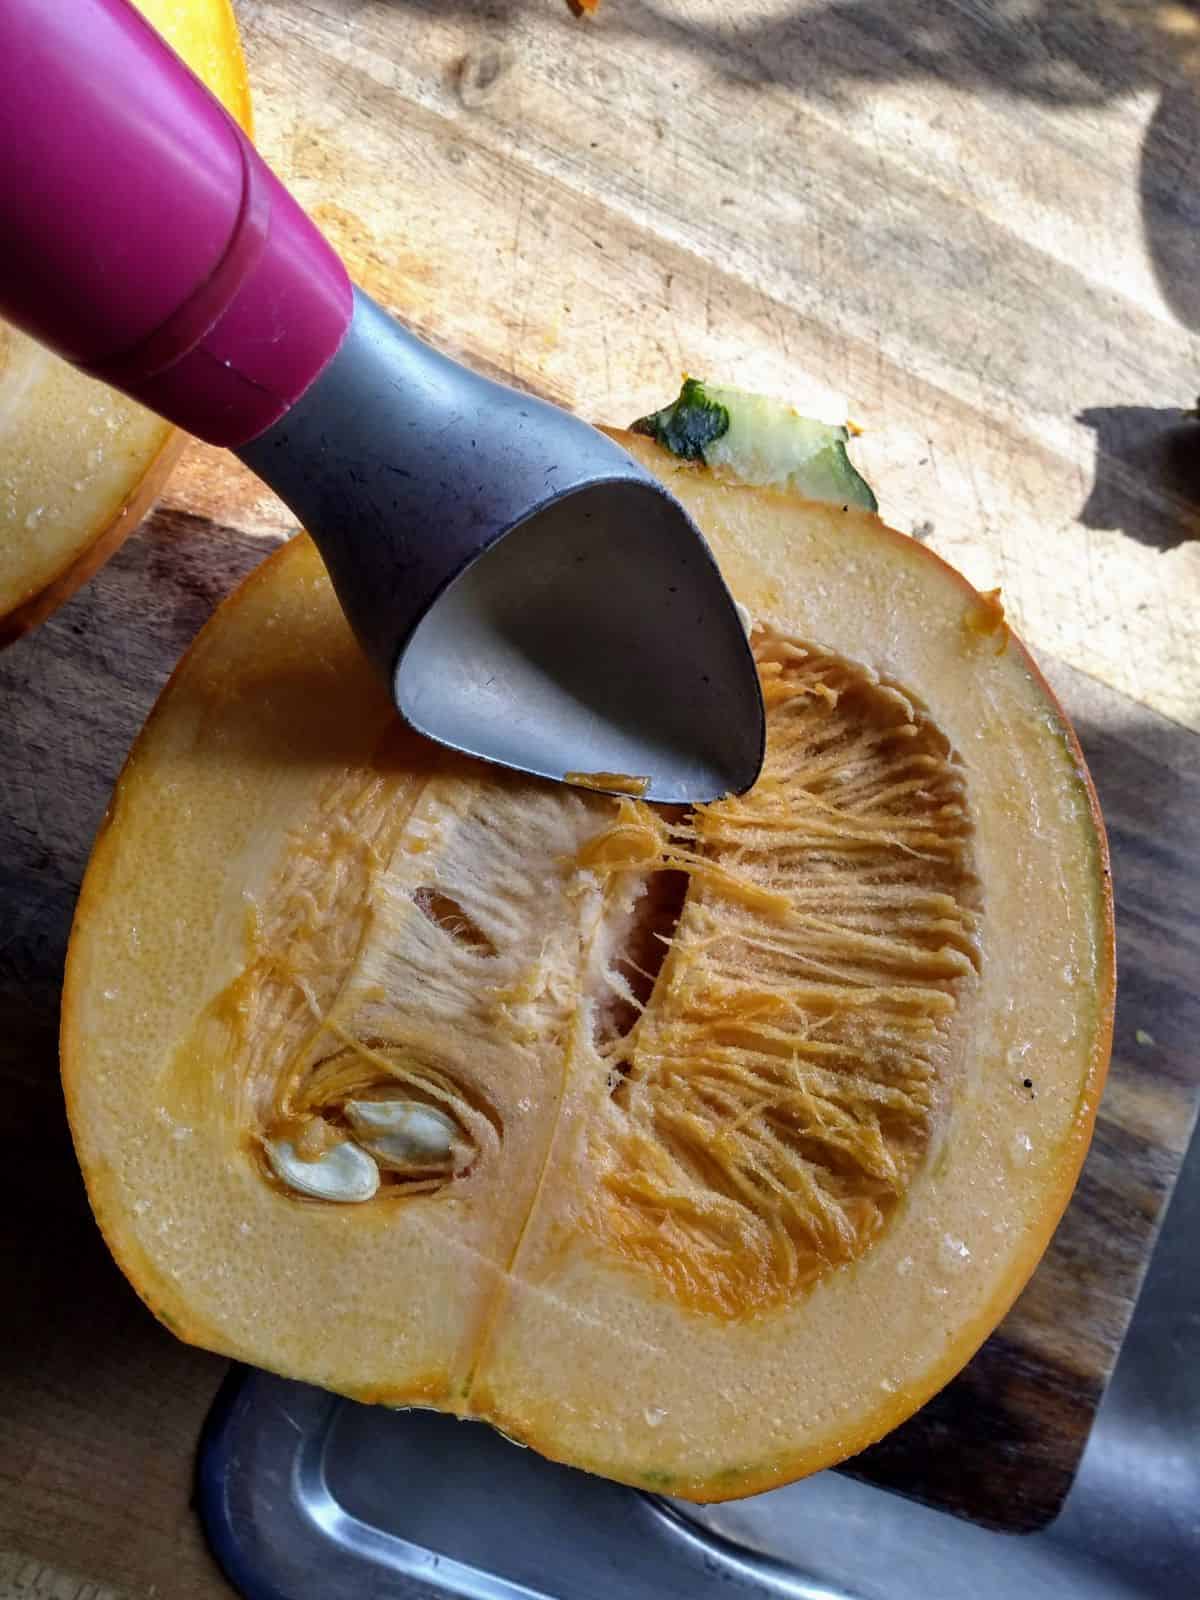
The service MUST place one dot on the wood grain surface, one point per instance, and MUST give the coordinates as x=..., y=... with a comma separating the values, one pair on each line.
x=974, y=221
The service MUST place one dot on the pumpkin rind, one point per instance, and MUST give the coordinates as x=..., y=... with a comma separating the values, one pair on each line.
x=290, y=894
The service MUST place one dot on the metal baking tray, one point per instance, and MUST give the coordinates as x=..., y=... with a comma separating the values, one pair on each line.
x=308, y=1497
x=304, y=1495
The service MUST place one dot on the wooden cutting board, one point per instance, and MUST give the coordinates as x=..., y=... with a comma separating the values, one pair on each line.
x=982, y=234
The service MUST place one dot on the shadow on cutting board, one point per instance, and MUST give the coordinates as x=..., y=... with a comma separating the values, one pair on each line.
x=1170, y=193
x=1051, y=52
x=1147, y=481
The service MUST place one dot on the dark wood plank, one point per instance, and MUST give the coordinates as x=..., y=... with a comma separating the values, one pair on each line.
x=100, y=1407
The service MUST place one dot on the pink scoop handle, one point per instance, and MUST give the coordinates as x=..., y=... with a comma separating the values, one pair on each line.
x=144, y=238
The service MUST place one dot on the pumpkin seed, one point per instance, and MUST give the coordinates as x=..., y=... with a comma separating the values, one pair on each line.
x=344, y=1173
x=403, y=1133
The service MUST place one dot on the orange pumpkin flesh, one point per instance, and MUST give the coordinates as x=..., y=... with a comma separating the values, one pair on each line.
x=80, y=465
x=762, y=1116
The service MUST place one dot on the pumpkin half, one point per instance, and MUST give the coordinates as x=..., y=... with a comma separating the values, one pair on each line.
x=696, y=1149
x=80, y=464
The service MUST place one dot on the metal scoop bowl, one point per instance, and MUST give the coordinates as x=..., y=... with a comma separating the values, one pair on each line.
x=531, y=593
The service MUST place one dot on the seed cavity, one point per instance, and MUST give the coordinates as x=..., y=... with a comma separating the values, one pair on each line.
x=404, y=1135
x=775, y=989
x=641, y=941
x=345, y=1173
x=446, y=913
x=787, y=1066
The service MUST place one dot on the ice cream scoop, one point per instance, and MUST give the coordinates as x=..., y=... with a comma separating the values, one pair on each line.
x=529, y=592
